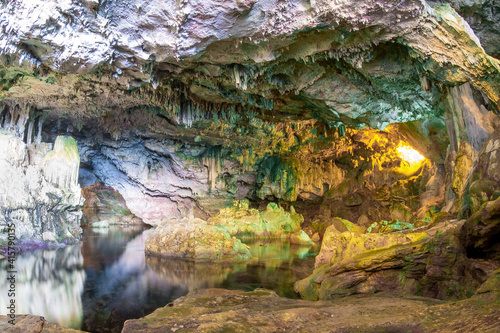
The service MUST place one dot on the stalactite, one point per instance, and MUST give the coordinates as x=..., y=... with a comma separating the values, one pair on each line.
x=4, y=116
x=38, y=138
x=29, y=136
x=212, y=159
x=16, y=119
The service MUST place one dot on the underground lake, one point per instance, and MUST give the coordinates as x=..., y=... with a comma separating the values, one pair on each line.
x=96, y=285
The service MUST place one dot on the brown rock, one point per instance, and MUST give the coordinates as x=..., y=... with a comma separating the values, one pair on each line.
x=219, y=310
x=104, y=204
x=32, y=324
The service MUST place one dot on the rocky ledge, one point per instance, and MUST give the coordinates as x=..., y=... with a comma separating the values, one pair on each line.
x=218, y=310
x=32, y=324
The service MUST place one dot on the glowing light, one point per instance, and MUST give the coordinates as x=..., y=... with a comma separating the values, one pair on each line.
x=409, y=154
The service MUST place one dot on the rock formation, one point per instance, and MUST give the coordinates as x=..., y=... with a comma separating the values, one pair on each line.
x=40, y=198
x=196, y=240
x=430, y=263
x=104, y=206
x=377, y=122
x=273, y=223
x=215, y=310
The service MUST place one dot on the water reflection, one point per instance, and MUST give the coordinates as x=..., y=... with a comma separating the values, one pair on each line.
x=275, y=266
x=119, y=284
x=107, y=279
x=48, y=283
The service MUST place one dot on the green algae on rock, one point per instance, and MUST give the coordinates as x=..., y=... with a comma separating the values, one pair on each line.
x=61, y=165
x=273, y=223
x=429, y=263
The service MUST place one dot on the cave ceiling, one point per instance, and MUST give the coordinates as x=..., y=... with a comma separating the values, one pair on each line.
x=338, y=62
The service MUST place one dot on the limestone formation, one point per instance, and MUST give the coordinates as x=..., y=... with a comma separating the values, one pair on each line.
x=42, y=200
x=429, y=263
x=273, y=223
x=194, y=239
x=200, y=105
x=216, y=310
x=372, y=127
x=104, y=206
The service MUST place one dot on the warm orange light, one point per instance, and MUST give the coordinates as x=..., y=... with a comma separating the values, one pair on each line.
x=409, y=154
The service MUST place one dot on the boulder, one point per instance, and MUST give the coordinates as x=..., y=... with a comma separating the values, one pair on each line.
x=272, y=223
x=194, y=239
x=32, y=324
x=430, y=263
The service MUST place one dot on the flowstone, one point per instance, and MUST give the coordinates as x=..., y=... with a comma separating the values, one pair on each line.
x=42, y=200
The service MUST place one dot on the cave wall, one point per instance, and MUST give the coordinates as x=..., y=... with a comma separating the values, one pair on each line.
x=184, y=107
x=40, y=195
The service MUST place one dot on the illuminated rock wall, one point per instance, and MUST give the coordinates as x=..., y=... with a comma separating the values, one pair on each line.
x=42, y=200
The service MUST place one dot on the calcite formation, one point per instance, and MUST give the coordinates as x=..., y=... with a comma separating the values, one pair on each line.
x=371, y=117
x=41, y=199
x=188, y=106
x=272, y=223
x=219, y=238
x=194, y=239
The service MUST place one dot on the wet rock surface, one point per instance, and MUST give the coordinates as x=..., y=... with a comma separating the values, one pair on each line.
x=216, y=310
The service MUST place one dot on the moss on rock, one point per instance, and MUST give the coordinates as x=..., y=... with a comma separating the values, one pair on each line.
x=272, y=223
x=194, y=239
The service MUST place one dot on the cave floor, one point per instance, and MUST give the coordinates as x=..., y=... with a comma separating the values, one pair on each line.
x=219, y=310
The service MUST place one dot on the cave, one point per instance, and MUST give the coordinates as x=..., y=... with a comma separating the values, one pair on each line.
x=250, y=165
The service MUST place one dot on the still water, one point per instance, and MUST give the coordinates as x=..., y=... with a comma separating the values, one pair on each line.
x=98, y=284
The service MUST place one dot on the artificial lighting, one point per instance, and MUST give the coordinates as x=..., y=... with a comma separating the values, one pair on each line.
x=409, y=154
